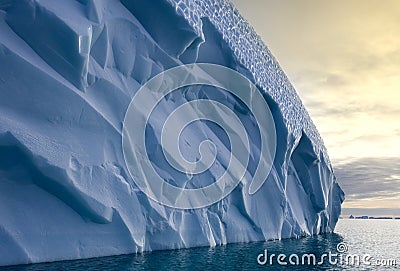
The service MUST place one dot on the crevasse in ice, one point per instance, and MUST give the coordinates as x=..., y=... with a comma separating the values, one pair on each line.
x=68, y=70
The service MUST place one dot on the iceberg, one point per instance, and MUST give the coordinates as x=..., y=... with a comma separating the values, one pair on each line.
x=68, y=72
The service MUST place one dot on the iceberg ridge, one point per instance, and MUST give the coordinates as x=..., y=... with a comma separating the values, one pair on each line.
x=68, y=71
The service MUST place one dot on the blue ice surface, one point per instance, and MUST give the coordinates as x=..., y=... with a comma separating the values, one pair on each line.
x=253, y=54
x=68, y=70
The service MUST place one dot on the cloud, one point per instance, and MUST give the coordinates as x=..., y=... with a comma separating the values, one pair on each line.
x=331, y=110
x=336, y=80
x=343, y=58
x=370, y=180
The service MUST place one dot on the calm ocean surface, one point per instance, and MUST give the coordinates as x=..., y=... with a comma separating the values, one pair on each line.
x=380, y=239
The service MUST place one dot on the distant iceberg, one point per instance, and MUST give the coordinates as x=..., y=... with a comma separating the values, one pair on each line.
x=68, y=71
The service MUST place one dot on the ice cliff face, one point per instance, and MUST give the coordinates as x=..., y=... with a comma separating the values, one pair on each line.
x=68, y=71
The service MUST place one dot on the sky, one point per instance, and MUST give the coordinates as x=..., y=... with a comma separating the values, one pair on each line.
x=343, y=58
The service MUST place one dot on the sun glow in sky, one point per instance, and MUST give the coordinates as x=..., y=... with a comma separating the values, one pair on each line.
x=343, y=58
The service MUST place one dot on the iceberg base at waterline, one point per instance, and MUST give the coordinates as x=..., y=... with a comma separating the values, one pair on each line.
x=68, y=71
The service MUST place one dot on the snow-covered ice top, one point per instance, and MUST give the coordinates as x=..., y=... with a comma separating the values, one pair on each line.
x=68, y=72
x=252, y=52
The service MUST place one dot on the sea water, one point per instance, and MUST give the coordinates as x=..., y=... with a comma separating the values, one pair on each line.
x=355, y=245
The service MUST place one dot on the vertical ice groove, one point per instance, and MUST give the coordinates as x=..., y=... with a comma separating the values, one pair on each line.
x=68, y=71
x=252, y=52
